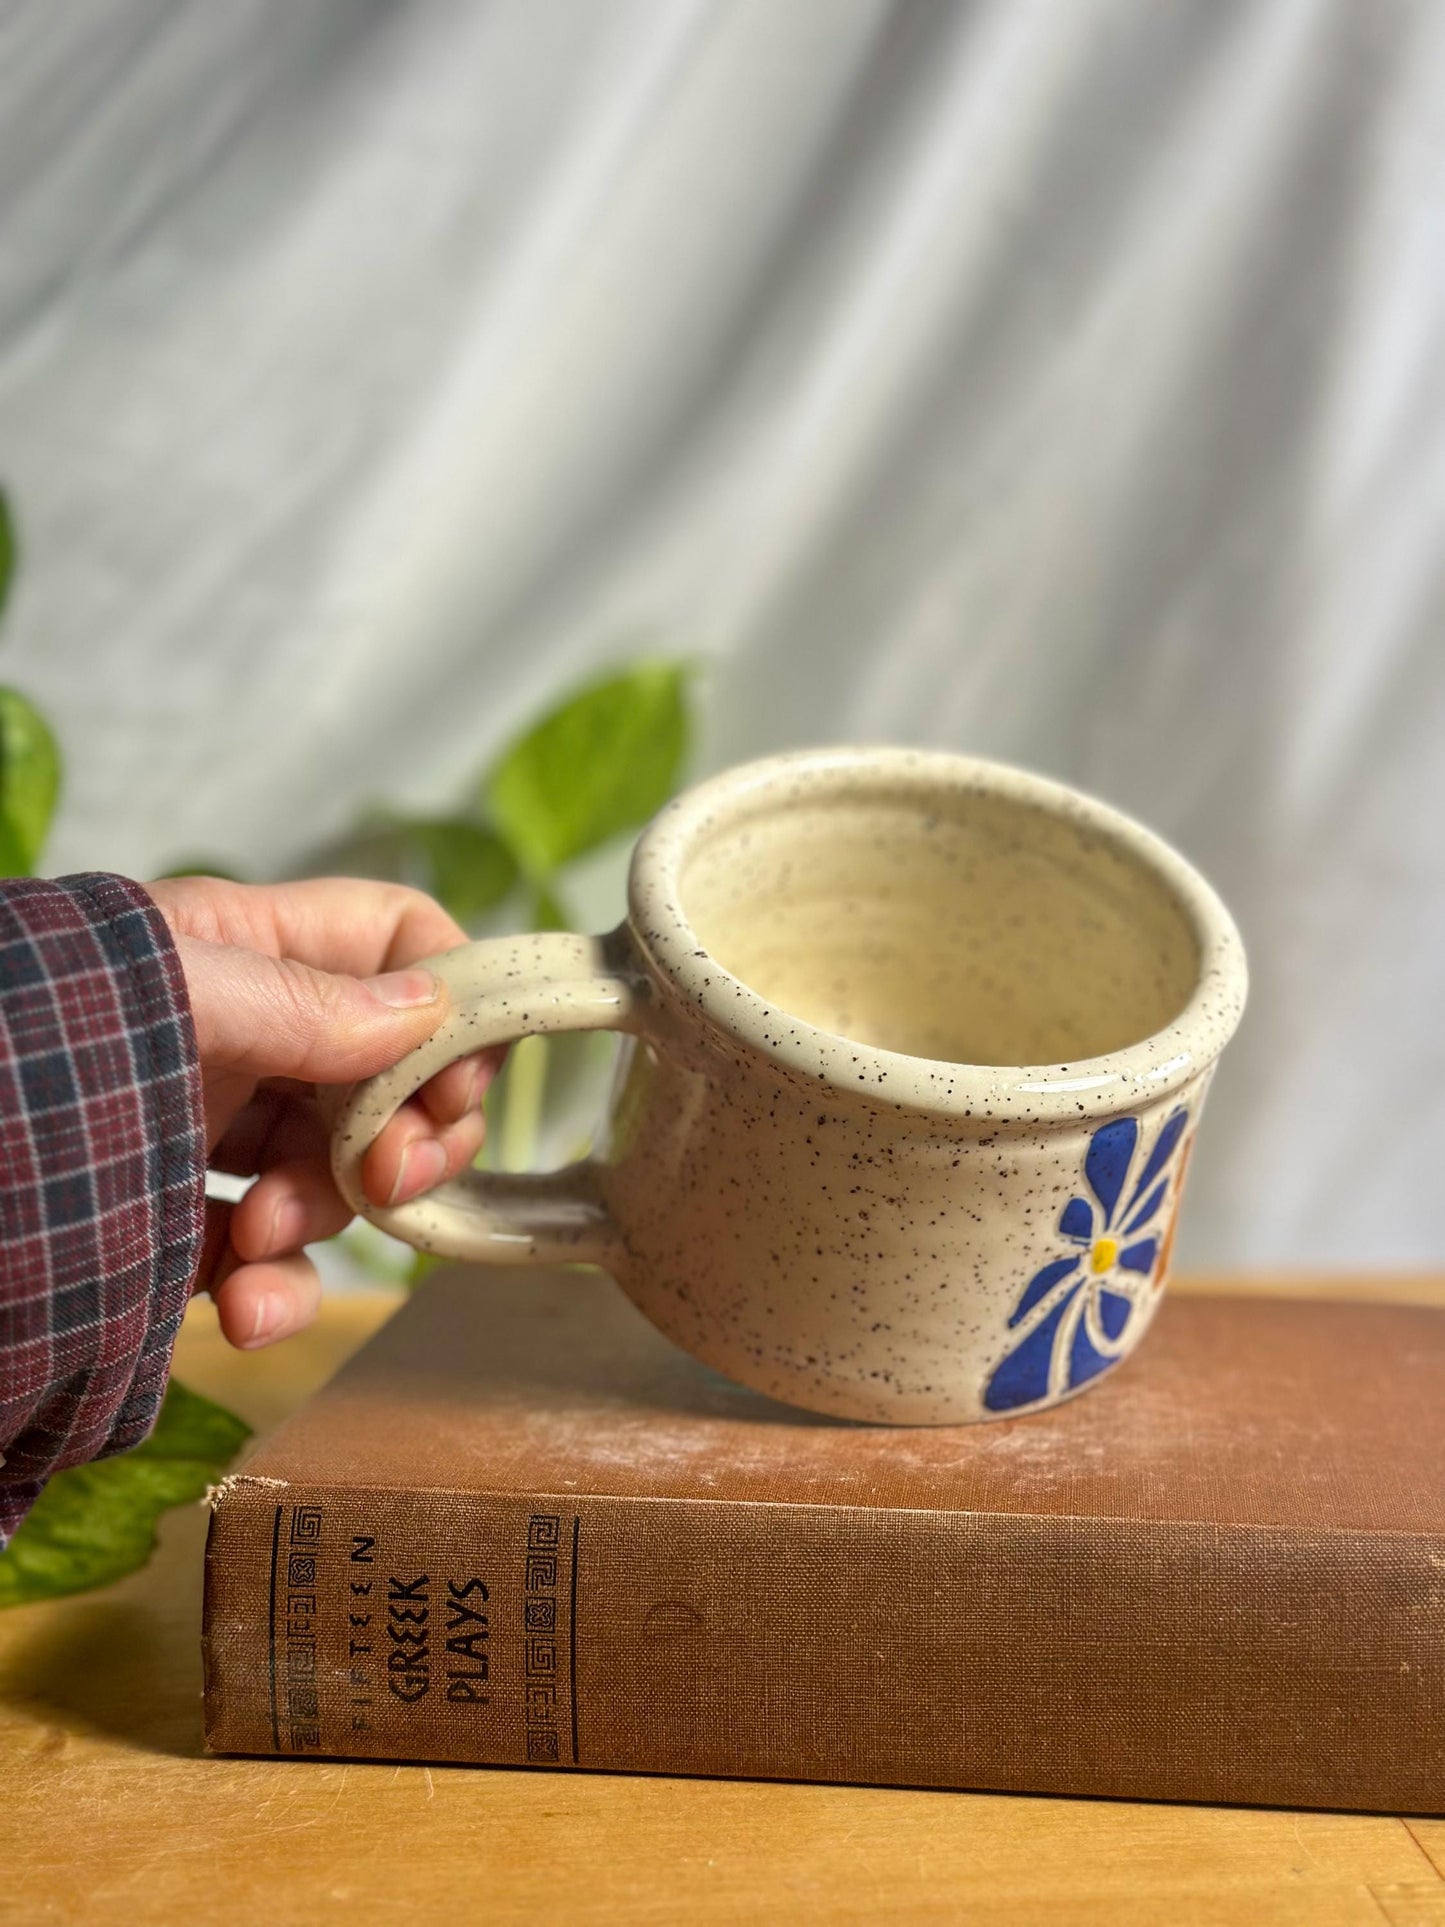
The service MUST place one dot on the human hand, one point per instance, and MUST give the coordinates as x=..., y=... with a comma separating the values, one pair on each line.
x=293, y=985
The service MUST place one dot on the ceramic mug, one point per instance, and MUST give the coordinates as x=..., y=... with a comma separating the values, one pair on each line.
x=914, y=1052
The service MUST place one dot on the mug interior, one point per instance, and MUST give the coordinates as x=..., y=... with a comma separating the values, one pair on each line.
x=955, y=924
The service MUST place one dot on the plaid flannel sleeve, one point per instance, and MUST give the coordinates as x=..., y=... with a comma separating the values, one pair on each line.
x=102, y=1173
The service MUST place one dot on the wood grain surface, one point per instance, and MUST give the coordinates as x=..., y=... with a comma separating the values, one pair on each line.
x=111, y=1812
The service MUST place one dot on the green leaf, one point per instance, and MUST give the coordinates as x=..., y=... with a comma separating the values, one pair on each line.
x=29, y=782
x=464, y=865
x=7, y=549
x=200, y=868
x=549, y=912
x=471, y=867
x=13, y=859
x=594, y=768
x=95, y=1523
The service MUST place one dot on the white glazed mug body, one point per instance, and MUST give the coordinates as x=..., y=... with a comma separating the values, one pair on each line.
x=915, y=1052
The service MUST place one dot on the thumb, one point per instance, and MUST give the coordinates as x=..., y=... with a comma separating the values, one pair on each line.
x=274, y=1017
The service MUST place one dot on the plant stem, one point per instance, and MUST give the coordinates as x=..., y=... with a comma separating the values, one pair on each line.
x=526, y=1089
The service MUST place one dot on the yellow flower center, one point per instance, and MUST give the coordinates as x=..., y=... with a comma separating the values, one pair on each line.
x=1102, y=1257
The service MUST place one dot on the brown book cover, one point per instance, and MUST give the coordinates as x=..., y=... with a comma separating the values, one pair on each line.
x=521, y=1527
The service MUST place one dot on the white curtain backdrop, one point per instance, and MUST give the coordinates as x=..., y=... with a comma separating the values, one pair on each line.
x=1058, y=380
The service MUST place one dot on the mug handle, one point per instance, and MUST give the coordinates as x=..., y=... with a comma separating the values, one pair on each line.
x=501, y=990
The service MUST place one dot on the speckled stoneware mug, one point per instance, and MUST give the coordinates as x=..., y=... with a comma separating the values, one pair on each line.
x=915, y=1051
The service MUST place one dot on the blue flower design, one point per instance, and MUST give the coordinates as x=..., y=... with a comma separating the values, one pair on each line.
x=1074, y=1315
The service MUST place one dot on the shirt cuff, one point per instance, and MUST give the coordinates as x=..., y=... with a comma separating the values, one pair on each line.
x=102, y=1180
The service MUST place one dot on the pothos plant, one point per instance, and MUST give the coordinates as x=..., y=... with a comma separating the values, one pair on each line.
x=92, y=1523
x=590, y=771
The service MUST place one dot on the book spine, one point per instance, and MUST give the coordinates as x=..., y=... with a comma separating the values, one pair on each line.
x=1063, y=1655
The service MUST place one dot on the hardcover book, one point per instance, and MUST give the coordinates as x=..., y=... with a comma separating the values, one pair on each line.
x=519, y=1527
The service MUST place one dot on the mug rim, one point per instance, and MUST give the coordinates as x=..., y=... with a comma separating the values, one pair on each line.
x=1143, y=1072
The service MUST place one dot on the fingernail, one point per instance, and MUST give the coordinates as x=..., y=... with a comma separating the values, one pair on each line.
x=423, y=1164
x=405, y=989
x=287, y=1228
x=476, y=1088
x=268, y=1317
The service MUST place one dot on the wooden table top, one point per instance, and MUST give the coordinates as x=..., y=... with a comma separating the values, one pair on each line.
x=111, y=1812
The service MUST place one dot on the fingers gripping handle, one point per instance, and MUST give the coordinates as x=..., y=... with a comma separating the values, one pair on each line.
x=500, y=991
